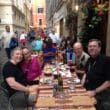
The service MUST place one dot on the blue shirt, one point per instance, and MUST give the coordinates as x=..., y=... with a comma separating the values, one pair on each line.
x=37, y=45
x=46, y=50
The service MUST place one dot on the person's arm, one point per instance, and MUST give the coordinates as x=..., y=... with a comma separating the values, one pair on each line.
x=103, y=87
x=46, y=54
x=83, y=79
x=99, y=89
x=52, y=54
x=17, y=86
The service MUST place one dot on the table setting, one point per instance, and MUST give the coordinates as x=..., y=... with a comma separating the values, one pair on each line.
x=72, y=97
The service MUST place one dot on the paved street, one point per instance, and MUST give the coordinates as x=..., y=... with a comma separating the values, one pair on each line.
x=3, y=59
x=3, y=100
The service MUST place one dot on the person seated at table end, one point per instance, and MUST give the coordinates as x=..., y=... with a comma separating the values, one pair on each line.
x=81, y=59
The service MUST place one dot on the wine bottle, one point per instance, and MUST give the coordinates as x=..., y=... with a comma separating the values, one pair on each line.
x=60, y=82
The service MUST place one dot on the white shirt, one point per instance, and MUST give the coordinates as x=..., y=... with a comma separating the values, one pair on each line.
x=22, y=36
x=54, y=37
x=6, y=38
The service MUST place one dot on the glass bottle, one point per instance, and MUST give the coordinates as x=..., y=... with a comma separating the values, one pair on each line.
x=60, y=82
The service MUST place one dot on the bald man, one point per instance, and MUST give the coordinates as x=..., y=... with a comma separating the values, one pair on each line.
x=81, y=56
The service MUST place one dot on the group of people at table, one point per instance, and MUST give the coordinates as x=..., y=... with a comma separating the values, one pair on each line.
x=21, y=71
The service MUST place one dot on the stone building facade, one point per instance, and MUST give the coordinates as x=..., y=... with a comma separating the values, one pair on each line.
x=56, y=13
x=12, y=12
x=39, y=13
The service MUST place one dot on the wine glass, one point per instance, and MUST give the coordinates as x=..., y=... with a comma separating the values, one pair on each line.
x=70, y=63
x=72, y=69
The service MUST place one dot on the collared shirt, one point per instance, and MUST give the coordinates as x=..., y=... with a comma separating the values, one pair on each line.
x=81, y=62
x=98, y=71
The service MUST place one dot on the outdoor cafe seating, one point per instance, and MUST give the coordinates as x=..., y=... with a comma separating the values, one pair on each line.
x=73, y=97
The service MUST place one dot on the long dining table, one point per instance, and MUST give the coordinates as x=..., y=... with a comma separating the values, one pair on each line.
x=76, y=99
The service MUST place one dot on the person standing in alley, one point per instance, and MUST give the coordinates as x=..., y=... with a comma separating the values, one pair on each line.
x=54, y=36
x=6, y=37
x=23, y=38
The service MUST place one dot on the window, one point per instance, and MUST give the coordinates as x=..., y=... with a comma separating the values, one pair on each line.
x=40, y=10
x=40, y=21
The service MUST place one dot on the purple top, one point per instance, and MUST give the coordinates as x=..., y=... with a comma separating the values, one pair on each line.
x=31, y=69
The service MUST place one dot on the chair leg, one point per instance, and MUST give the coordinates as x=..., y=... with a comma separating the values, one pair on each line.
x=26, y=100
x=10, y=106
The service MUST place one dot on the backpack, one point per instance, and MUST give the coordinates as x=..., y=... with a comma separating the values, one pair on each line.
x=13, y=43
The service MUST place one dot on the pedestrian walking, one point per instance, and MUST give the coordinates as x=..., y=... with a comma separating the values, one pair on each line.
x=23, y=38
x=6, y=37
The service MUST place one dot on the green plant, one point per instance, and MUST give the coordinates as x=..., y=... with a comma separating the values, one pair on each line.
x=92, y=22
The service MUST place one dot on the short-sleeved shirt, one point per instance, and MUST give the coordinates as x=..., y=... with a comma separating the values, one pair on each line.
x=81, y=62
x=54, y=37
x=6, y=37
x=47, y=50
x=12, y=70
x=98, y=71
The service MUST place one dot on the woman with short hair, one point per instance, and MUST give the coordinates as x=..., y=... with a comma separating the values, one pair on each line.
x=14, y=79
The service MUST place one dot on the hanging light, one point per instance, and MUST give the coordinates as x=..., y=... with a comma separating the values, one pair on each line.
x=76, y=7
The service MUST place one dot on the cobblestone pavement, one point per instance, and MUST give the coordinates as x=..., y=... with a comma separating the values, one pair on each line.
x=3, y=99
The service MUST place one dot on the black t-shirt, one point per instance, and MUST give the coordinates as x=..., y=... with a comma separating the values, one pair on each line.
x=12, y=70
x=98, y=71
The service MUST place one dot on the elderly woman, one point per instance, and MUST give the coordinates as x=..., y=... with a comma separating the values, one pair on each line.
x=14, y=79
x=30, y=66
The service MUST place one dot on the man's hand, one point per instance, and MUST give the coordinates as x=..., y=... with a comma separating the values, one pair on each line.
x=91, y=93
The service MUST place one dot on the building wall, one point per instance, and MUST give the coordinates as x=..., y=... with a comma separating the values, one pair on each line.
x=36, y=16
x=56, y=13
x=49, y=23
x=5, y=14
x=28, y=14
x=108, y=34
x=12, y=13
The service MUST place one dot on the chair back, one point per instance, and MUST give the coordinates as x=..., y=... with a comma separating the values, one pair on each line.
x=18, y=101
x=3, y=87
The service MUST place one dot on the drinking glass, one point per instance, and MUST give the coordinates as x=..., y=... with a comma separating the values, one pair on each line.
x=71, y=85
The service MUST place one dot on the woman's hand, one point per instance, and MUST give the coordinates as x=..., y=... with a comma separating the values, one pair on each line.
x=33, y=89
